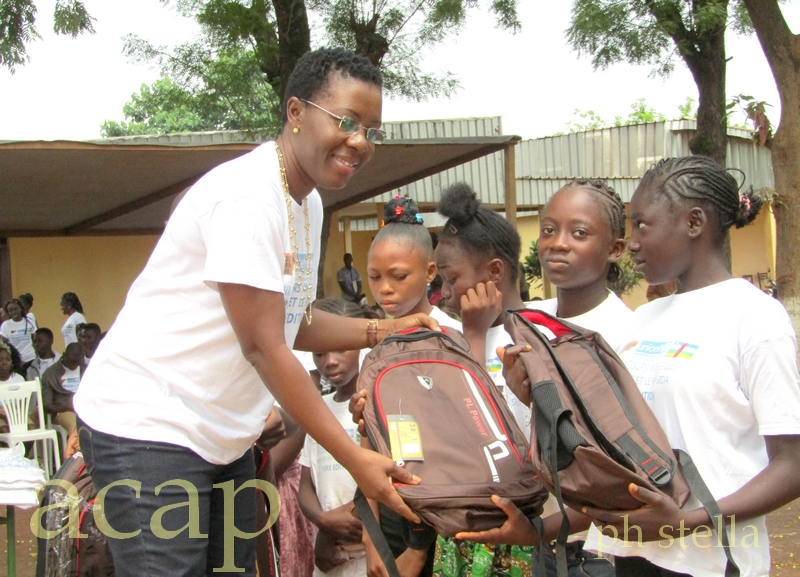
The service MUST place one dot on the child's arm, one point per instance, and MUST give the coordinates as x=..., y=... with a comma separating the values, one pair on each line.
x=772, y=488
x=339, y=522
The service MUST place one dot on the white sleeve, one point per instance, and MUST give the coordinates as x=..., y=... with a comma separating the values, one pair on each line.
x=770, y=380
x=244, y=244
x=305, y=454
x=4, y=330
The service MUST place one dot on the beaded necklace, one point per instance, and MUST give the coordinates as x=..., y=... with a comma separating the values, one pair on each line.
x=303, y=274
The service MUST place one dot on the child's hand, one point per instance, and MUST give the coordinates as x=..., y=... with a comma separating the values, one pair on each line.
x=327, y=554
x=341, y=524
x=514, y=372
x=480, y=307
x=356, y=407
x=517, y=530
x=658, y=519
x=273, y=431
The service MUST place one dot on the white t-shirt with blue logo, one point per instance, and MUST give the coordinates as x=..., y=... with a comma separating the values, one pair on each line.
x=171, y=368
x=718, y=368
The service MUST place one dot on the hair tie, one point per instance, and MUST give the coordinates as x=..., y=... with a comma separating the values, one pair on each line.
x=383, y=223
x=398, y=210
x=419, y=218
x=744, y=203
x=452, y=228
x=397, y=197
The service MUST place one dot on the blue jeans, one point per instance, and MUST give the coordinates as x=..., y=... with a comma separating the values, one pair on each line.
x=181, y=531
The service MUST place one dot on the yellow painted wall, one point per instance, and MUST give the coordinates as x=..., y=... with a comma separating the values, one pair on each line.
x=98, y=269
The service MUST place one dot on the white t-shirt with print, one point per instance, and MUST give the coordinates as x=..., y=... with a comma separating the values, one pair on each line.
x=68, y=330
x=333, y=484
x=71, y=379
x=19, y=334
x=718, y=367
x=171, y=368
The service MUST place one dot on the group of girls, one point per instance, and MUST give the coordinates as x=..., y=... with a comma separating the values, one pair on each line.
x=730, y=398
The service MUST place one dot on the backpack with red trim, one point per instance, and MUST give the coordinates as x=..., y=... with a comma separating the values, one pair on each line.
x=75, y=547
x=592, y=432
x=433, y=409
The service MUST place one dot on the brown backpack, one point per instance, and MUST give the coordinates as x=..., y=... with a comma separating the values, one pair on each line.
x=451, y=427
x=592, y=432
x=62, y=555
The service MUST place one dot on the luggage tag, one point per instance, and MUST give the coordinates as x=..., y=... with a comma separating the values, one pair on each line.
x=404, y=438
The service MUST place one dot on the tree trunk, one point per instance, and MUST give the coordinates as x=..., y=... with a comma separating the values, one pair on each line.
x=294, y=37
x=782, y=49
x=706, y=62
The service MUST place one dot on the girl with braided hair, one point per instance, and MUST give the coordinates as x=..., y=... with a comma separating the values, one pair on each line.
x=717, y=363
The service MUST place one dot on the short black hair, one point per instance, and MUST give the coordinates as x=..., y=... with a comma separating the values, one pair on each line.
x=73, y=300
x=44, y=331
x=312, y=72
x=92, y=327
x=16, y=302
x=403, y=223
x=26, y=299
x=479, y=230
x=340, y=307
x=700, y=179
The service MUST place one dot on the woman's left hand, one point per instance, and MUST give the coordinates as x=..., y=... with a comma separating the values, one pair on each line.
x=387, y=327
x=517, y=530
x=273, y=431
x=659, y=518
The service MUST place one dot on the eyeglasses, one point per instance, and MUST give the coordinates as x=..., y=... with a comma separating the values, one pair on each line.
x=374, y=135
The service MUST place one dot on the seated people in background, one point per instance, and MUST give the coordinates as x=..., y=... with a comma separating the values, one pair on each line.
x=60, y=383
x=89, y=338
x=7, y=372
x=45, y=355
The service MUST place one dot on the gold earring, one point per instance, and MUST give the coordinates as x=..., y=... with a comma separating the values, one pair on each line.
x=295, y=130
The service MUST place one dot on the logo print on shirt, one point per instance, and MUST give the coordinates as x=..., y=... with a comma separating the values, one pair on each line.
x=668, y=349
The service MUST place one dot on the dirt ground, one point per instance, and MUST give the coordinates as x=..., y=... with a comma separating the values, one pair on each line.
x=783, y=525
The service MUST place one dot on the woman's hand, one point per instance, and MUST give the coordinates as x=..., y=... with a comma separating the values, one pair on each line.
x=387, y=327
x=373, y=474
x=514, y=372
x=659, y=518
x=517, y=530
x=341, y=524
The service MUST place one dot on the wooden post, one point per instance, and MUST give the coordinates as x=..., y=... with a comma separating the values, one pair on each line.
x=510, y=183
x=6, y=291
x=348, y=236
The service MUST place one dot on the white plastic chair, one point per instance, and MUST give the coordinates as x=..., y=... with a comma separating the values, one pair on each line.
x=16, y=399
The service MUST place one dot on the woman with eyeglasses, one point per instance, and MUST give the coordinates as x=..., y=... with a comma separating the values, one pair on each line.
x=170, y=409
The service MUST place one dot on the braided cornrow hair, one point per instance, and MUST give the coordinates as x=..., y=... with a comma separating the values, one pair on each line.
x=477, y=228
x=613, y=210
x=402, y=222
x=700, y=179
x=339, y=307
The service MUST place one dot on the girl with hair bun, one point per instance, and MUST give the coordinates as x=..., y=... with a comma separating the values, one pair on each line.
x=717, y=363
x=400, y=263
x=478, y=260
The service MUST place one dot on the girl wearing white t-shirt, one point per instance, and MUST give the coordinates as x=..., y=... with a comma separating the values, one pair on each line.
x=399, y=267
x=18, y=331
x=581, y=237
x=477, y=256
x=71, y=306
x=7, y=373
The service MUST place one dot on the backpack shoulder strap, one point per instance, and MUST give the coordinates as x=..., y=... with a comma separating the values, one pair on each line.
x=700, y=490
x=375, y=533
